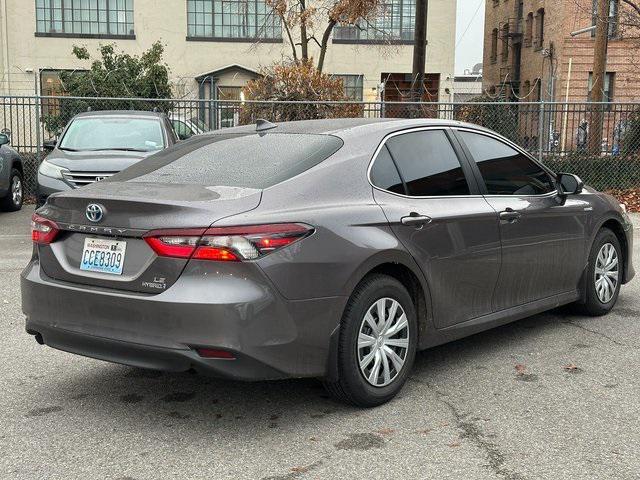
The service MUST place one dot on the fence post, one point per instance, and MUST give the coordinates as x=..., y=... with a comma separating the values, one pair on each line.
x=540, y=130
x=38, y=133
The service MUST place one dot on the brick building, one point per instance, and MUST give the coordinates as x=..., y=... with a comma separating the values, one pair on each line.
x=529, y=55
x=527, y=50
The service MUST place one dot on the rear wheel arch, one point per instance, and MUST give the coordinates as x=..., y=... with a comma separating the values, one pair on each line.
x=401, y=266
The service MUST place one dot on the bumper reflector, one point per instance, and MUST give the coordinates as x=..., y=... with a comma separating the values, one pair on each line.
x=215, y=353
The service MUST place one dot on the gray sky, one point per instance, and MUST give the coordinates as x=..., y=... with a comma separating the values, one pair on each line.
x=469, y=45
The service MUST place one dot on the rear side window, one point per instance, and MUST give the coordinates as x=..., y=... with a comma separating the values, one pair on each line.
x=235, y=160
x=506, y=171
x=384, y=173
x=428, y=164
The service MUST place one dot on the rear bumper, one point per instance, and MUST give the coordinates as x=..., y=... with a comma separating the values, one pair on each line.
x=269, y=336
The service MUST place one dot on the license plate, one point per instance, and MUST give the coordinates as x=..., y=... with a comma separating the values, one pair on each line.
x=104, y=256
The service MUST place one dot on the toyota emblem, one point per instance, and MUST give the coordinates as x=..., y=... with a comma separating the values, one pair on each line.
x=94, y=212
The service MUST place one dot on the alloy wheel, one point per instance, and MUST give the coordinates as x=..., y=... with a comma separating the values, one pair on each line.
x=16, y=190
x=383, y=342
x=606, y=273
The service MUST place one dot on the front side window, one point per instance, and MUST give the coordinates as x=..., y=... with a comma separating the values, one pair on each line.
x=506, y=171
x=427, y=164
x=85, y=17
x=395, y=22
x=113, y=133
x=232, y=19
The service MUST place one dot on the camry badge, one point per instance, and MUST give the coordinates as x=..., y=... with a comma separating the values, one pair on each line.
x=94, y=212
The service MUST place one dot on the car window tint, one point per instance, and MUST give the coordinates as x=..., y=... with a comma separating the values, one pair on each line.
x=234, y=160
x=428, y=164
x=505, y=170
x=384, y=173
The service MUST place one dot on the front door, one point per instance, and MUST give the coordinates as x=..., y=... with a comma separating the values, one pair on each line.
x=433, y=207
x=543, y=235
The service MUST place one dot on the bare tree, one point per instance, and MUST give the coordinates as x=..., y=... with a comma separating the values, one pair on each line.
x=308, y=26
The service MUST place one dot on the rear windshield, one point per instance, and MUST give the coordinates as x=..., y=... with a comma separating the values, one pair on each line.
x=234, y=160
x=113, y=133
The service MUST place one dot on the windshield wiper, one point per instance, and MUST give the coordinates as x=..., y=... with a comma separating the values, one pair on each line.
x=67, y=149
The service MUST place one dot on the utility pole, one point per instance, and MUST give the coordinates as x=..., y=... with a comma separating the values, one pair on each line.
x=419, y=50
x=599, y=73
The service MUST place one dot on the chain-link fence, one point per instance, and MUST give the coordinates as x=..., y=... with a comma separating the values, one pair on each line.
x=598, y=142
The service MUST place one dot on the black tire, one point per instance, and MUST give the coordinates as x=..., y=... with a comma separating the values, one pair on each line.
x=8, y=204
x=593, y=305
x=351, y=386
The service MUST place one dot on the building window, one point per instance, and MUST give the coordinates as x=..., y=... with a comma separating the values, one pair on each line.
x=353, y=86
x=108, y=18
x=395, y=23
x=539, y=40
x=494, y=45
x=528, y=31
x=613, y=17
x=607, y=93
x=232, y=20
x=505, y=42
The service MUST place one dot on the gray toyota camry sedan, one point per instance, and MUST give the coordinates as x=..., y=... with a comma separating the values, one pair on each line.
x=327, y=248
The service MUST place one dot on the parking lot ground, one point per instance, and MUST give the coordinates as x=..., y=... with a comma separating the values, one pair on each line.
x=552, y=396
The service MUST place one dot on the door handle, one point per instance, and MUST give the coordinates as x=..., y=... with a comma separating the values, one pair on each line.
x=510, y=215
x=415, y=220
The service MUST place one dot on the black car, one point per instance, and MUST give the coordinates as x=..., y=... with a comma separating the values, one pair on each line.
x=96, y=145
x=11, y=177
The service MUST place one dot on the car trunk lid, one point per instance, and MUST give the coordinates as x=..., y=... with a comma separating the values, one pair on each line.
x=129, y=210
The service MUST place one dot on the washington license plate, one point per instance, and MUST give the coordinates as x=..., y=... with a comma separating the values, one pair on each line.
x=104, y=256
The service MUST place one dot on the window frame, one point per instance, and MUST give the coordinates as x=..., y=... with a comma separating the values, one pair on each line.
x=358, y=89
x=362, y=29
x=469, y=174
x=493, y=55
x=478, y=175
x=218, y=38
x=65, y=34
x=539, y=22
x=607, y=93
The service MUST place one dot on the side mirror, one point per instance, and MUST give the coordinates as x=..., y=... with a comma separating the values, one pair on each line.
x=569, y=184
x=50, y=144
x=4, y=139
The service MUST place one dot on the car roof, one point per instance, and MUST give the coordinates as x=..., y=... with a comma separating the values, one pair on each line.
x=339, y=126
x=120, y=113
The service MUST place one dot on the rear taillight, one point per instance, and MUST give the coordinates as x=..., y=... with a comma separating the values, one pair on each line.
x=226, y=243
x=43, y=230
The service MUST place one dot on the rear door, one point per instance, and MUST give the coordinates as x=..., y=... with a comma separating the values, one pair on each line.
x=433, y=205
x=543, y=234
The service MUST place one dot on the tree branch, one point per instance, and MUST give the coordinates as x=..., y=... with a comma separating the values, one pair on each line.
x=293, y=45
x=325, y=42
x=634, y=5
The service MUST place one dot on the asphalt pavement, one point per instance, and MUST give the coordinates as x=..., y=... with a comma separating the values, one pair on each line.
x=554, y=396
